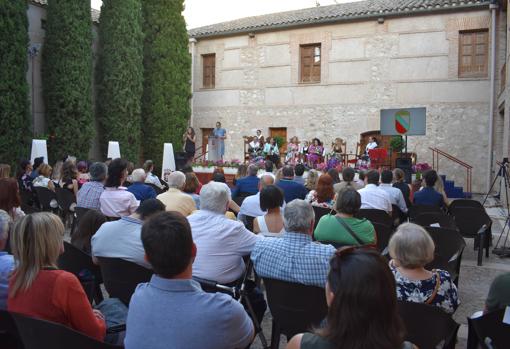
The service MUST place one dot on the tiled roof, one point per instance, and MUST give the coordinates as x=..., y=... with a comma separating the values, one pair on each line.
x=333, y=13
x=94, y=14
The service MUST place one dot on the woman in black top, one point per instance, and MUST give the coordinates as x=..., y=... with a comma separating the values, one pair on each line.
x=189, y=143
x=69, y=177
x=399, y=175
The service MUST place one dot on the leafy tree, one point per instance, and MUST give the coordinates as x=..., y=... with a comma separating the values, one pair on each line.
x=67, y=78
x=167, y=65
x=120, y=75
x=14, y=110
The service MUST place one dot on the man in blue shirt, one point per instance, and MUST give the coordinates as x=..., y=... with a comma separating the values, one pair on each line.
x=6, y=260
x=428, y=195
x=140, y=190
x=248, y=185
x=291, y=189
x=294, y=257
x=220, y=134
x=172, y=311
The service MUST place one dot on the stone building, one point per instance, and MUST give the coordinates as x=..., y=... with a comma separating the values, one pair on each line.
x=327, y=71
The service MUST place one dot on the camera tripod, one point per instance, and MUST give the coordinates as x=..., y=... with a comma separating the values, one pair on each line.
x=501, y=249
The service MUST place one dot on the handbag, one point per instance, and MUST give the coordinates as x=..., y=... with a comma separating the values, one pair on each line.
x=436, y=289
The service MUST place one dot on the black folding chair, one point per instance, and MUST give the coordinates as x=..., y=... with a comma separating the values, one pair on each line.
x=416, y=210
x=426, y=219
x=76, y=261
x=397, y=215
x=428, y=326
x=488, y=331
x=319, y=212
x=248, y=222
x=375, y=216
x=121, y=277
x=37, y=334
x=157, y=189
x=448, y=252
x=295, y=308
x=45, y=196
x=464, y=203
x=476, y=224
x=383, y=233
x=67, y=202
x=80, y=212
x=9, y=336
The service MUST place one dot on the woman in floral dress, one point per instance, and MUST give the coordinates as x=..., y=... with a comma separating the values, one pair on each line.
x=292, y=156
x=315, y=153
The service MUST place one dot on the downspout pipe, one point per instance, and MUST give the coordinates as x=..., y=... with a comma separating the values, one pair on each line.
x=493, y=7
x=193, y=42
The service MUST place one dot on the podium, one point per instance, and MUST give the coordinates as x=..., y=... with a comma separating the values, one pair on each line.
x=213, y=149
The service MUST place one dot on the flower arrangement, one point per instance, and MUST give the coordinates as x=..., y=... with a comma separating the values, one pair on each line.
x=220, y=163
x=420, y=168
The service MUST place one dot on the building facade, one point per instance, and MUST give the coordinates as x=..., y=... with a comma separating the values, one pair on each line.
x=327, y=72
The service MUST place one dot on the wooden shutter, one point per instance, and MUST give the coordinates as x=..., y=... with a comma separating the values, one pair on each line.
x=209, y=73
x=473, y=53
x=310, y=63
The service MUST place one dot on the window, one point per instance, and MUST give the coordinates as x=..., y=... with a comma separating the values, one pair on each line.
x=473, y=54
x=209, y=74
x=310, y=64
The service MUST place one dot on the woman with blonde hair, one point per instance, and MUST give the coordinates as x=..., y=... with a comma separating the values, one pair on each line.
x=5, y=171
x=37, y=288
x=311, y=180
x=43, y=179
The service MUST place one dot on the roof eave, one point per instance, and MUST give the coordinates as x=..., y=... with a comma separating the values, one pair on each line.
x=384, y=14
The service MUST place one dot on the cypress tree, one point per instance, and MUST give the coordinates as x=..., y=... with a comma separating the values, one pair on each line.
x=120, y=75
x=67, y=78
x=14, y=110
x=167, y=74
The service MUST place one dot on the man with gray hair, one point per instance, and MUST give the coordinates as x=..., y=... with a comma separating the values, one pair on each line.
x=294, y=257
x=140, y=190
x=90, y=192
x=174, y=199
x=6, y=260
x=221, y=242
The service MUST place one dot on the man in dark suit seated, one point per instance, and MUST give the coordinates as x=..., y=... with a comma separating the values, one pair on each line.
x=248, y=185
x=291, y=189
x=428, y=195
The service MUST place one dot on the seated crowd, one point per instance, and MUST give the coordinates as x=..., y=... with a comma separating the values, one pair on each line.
x=188, y=236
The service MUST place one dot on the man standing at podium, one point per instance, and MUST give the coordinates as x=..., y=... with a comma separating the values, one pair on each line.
x=220, y=134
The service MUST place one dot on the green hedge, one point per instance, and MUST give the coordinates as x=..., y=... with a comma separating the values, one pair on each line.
x=167, y=65
x=67, y=78
x=120, y=76
x=14, y=107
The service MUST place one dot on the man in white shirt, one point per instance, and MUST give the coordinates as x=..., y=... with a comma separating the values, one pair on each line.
x=148, y=167
x=251, y=205
x=121, y=239
x=221, y=242
x=396, y=196
x=372, y=196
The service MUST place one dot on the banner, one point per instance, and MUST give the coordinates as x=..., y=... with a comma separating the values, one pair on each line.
x=39, y=149
x=403, y=122
x=168, y=165
x=113, y=150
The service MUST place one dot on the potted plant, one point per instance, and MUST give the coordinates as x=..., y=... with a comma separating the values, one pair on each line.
x=397, y=143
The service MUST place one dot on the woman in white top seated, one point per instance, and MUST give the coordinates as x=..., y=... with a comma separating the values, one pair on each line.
x=43, y=180
x=270, y=224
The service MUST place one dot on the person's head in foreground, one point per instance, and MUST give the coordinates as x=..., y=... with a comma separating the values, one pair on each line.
x=372, y=177
x=117, y=173
x=298, y=217
x=98, y=172
x=271, y=198
x=299, y=170
x=311, y=180
x=138, y=175
x=148, y=208
x=176, y=180
x=215, y=197
x=359, y=316
x=430, y=178
x=348, y=174
x=348, y=202
x=333, y=172
x=288, y=172
x=191, y=184
x=386, y=177
x=88, y=225
x=325, y=191
x=411, y=247
x=399, y=175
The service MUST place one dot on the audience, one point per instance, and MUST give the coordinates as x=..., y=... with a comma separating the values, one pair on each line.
x=138, y=188
x=90, y=192
x=269, y=167
x=399, y=183
x=148, y=167
x=190, y=187
x=411, y=248
x=291, y=189
x=428, y=195
x=270, y=224
x=248, y=185
x=344, y=226
x=121, y=239
x=299, y=171
x=35, y=169
x=43, y=177
x=311, y=180
x=23, y=176
x=37, y=288
x=333, y=173
x=172, y=311
x=358, y=316
x=88, y=225
x=242, y=170
x=324, y=194
x=348, y=175
x=294, y=257
x=115, y=200
x=5, y=171
x=361, y=179
x=251, y=205
x=174, y=199
x=10, y=200
x=69, y=177
x=219, y=177
x=83, y=173
x=499, y=293
x=396, y=196
x=221, y=242
x=372, y=196
x=6, y=260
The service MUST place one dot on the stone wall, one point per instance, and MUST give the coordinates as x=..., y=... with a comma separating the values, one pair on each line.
x=366, y=66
